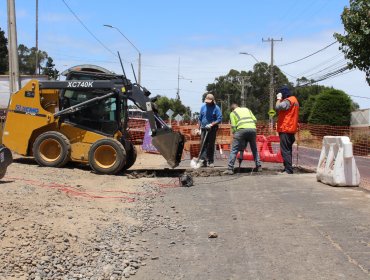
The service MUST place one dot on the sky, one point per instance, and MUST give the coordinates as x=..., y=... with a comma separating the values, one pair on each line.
x=187, y=44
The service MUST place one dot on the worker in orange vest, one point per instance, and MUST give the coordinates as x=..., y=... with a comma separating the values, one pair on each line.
x=288, y=110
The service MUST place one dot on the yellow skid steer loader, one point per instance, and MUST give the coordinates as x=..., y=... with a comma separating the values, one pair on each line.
x=84, y=119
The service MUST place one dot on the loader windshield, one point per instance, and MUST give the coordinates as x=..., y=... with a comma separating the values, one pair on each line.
x=102, y=116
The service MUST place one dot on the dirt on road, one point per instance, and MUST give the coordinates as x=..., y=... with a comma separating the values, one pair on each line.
x=70, y=223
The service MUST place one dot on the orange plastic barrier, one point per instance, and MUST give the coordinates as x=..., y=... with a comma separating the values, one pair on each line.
x=265, y=150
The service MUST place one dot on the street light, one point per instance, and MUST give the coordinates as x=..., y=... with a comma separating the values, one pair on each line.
x=271, y=105
x=139, y=63
x=255, y=60
x=250, y=55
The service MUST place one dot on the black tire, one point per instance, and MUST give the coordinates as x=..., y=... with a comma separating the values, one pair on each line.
x=2, y=173
x=107, y=156
x=51, y=149
x=131, y=156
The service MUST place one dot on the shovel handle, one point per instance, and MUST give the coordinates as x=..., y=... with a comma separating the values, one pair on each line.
x=202, y=145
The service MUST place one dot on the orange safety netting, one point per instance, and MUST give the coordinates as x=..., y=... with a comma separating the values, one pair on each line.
x=306, y=151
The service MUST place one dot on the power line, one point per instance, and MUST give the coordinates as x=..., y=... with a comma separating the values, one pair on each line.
x=326, y=76
x=332, y=74
x=289, y=74
x=294, y=16
x=88, y=30
x=332, y=67
x=320, y=64
x=359, y=96
x=308, y=55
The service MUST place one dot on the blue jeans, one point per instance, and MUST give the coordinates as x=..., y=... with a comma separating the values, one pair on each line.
x=241, y=139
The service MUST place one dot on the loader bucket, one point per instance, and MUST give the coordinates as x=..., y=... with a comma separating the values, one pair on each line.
x=170, y=145
x=6, y=159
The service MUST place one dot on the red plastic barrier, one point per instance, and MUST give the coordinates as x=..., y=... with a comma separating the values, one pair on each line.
x=267, y=154
x=265, y=150
x=247, y=154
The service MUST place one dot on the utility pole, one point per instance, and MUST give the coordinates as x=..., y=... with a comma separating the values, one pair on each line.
x=14, y=84
x=242, y=93
x=244, y=82
x=271, y=107
x=37, y=39
x=178, y=81
x=228, y=101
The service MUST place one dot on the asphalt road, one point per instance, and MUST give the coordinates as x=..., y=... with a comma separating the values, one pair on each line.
x=269, y=227
x=310, y=157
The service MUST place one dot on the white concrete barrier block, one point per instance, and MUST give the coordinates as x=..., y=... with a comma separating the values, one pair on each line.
x=337, y=166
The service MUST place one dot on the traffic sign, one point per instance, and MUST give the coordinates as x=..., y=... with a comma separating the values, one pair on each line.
x=272, y=113
x=169, y=113
x=178, y=118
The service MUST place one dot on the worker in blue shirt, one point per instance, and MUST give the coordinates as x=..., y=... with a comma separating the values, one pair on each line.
x=209, y=118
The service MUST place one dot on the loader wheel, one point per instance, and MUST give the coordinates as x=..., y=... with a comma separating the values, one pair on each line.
x=131, y=156
x=51, y=149
x=2, y=173
x=107, y=156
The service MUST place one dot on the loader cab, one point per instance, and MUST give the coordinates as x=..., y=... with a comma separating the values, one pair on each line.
x=104, y=116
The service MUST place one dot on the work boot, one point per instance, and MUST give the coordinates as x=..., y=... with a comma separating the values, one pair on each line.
x=258, y=169
x=212, y=165
x=228, y=172
x=284, y=173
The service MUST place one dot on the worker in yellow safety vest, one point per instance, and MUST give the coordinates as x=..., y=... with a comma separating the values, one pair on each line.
x=243, y=125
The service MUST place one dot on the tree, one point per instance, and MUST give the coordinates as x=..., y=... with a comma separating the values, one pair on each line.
x=3, y=53
x=306, y=96
x=228, y=88
x=164, y=103
x=49, y=69
x=27, y=59
x=306, y=108
x=332, y=107
x=355, y=44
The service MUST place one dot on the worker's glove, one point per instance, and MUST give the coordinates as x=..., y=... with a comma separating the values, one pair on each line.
x=279, y=96
x=197, y=132
x=208, y=126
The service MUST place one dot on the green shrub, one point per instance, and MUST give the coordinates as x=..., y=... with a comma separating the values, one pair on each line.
x=331, y=107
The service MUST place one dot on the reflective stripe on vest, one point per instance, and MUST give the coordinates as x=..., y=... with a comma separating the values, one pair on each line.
x=244, y=122
x=288, y=119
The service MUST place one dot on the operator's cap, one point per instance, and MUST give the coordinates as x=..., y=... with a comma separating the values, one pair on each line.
x=209, y=98
x=285, y=92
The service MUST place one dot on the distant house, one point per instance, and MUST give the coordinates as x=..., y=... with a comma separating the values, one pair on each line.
x=360, y=118
x=4, y=86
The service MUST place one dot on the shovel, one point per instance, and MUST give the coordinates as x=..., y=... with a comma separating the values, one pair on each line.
x=195, y=164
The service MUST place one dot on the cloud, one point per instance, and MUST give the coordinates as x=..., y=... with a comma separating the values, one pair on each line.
x=203, y=64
